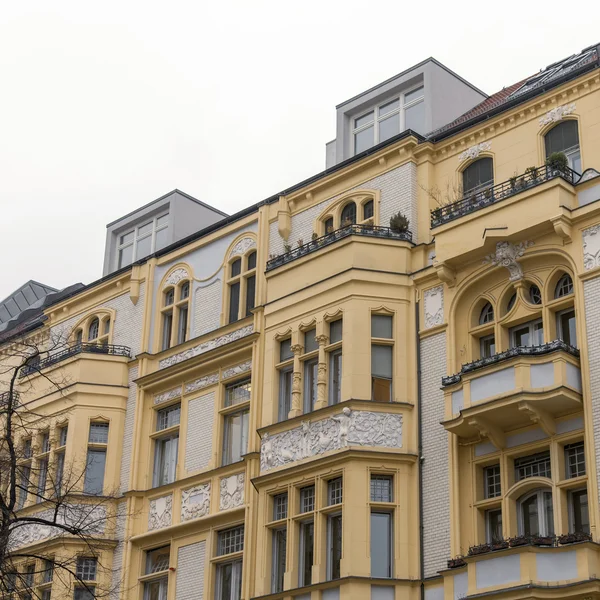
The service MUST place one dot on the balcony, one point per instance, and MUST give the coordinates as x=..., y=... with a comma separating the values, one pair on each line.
x=68, y=352
x=474, y=201
x=371, y=231
x=513, y=389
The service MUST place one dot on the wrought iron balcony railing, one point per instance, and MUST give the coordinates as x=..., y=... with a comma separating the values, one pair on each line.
x=475, y=200
x=87, y=347
x=373, y=231
x=508, y=354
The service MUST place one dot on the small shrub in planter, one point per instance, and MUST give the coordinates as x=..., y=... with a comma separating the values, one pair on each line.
x=519, y=540
x=347, y=222
x=330, y=229
x=500, y=545
x=481, y=549
x=542, y=540
x=454, y=563
x=513, y=182
x=287, y=247
x=487, y=193
x=399, y=223
x=532, y=172
x=558, y=161
x=571, y=538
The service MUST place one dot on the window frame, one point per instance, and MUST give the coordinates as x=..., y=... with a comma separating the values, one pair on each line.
x=560, y=332
x=573, y=153
x=542, y=514
x=532, y=332
x=482, y=185
x=571, y=508
x=136, y=238
x=241, y=279
x=488, y=525
x=176, y=313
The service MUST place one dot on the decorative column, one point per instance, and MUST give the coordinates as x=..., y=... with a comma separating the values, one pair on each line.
x=321, y=402
x=296, y=410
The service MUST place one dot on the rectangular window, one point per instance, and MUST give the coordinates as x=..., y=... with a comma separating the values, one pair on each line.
x=529, y=334
x=487, y=346
x=29, y=575
x=86, y=569
x=23, y=485
x=46, y=442
x=165, y=460
x=143, y=240
x=536, y=465
x=27, y=448
x=310, y=341
x=491, y=482
x=235, y=439
x=335, y=331
x=238, y=392
x=182, y=328
x=42, y=479
x=381, y=326
x=381, y=373
x=307, y=535
x=46, y=594
x=85, y=593
x=234, y=302
x=579, y=513
x=156, y=589
x=285, y=393
x=280, y=507
x=229, y=580
x=335, y=377
x=334, y=546
x=381, y=488
x=62, y=436
x=381, y=544
x=60, y=470
x=48, y=571
x=575, y=460
x=285, y=350
x=566, y=327
x=493, y=526
x=98, y=433
x=311, y=370
x=168, y=417
x=279, y=559
x=94, y=472
x=250, y=294
x=335, y=491
x=157, y=561
x=230, y=540
x=167, y=328
x=307, y=499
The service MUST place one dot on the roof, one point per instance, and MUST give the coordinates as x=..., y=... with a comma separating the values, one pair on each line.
x=553, y=75
x=27, y=295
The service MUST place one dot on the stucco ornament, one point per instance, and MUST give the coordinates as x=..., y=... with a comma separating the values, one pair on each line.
x=349, y=428
x=161, y=512
x=557, y=114
x=242, y=246
x=433, y=305
x=232, y=491
x=203, y=382
x=195, y=502
x=591, y=247
x=507, y=255
x=168, y=395
x=589, y=174
x=176, y=276
x=474, y=151
x=237, y=370
x=206, y=346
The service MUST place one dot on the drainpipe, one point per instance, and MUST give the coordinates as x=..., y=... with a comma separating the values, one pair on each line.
x=420, y=451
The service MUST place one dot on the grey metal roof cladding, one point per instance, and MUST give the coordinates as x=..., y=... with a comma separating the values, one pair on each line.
x=28, y=295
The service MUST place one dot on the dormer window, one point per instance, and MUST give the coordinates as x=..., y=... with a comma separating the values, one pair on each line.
x=383, y=122
x=150, y=236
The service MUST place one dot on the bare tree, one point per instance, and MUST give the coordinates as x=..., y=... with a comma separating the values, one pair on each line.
x=51, y=532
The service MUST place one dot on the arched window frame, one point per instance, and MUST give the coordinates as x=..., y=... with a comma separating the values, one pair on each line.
x=487, y=314
x=241, y=287
x=349, y=214
x=545, y=527
x=482, y=185
x=81, y=331
x=564, y=286
x=175, y=311
x=573, y=153
x=367, y=211
x=93, y=330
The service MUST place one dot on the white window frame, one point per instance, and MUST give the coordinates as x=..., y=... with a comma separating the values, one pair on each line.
x=377, y=119
x=531, y=325
x=137, y=238
x=559, y=325
x=571, y=507
x=542, y=515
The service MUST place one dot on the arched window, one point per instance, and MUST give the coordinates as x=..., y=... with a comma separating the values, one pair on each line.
x=564, y=287
x=564, y=137
x=487, y=314
x=329, y=225
x=175, y=310
x=94, y=330
x=79, y=336
x=511, y=302
x=368, y=210
x=536, y=513
x=242, y=287
x=478, y=175
x=535, y=296
x=348, y=216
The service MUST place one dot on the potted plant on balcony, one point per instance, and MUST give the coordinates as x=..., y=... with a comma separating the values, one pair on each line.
x=532, y=172
x=454, y=563
x=519, y=540
x=480, y=549
x=287, y=247
x=558, y=163
x=513, y=181
x=571, y=538
x=399, y=223
x=542, y=540
x=499, y=545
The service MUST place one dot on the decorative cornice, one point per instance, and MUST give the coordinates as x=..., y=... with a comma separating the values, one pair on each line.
x=166, y=396
x=203, y=382
x=557, y=114
x=474, y=151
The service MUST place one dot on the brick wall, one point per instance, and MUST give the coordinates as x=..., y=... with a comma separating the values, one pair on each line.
x=128, y=430
x=198, y=447
x=117, y=562
x=398, y=193
x=207, y=308
x=436, y=494
x=190, y=572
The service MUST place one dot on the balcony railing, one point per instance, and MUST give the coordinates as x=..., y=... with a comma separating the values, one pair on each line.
x=475, y=200
x=373, y=231
x=87, y=347
x=507, y=355
x=5, y=396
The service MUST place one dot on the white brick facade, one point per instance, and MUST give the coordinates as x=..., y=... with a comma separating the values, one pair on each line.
x=436, y=494
x=117, y=563
x=128, y=430
x=198, y=447
x=190, y=572
x=207, y=307
x=398, y=193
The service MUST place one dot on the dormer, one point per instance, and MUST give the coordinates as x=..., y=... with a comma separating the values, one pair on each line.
x=421, y=99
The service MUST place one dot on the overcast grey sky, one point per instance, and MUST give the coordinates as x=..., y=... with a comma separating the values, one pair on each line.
x=107, y=106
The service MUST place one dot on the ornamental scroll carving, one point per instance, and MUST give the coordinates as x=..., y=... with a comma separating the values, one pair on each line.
x=166, y=396
x=176, y=276
x=557, y=114
x=237, y=370
x=242, y=246
x=474, y=151
x=206, y=347
x=203, y=382
x=507, y=255
x=591, y=247
x=350, y=428
x=195, y=502
x=433, y=305
x=232, y=491
x=161, y=512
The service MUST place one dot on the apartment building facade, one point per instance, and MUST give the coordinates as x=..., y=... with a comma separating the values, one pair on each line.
x=303, y=402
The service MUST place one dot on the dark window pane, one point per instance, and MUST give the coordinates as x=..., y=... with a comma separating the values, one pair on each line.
x=478, y=174
x=285, y=393
x=562, y=137
x=182, y=328
x=381, y=488
x=98, y=433
x=236, y=267
x=166, y=332
x=381, y=545
x=250, y=294
x=234, y=301
x=349, y=214
x=335, y=331
x=279, y=557
x=252, y=261
x=494, y=526
x=237, y=392
x=334, y=555
x=329, y=225
x=306, y=552
x=368, y=210
x=310, y=343
x=311, y=368
x=285, y=350
x=94, y=472
x=381, y=326
x=335, y=382
x=581, y=517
